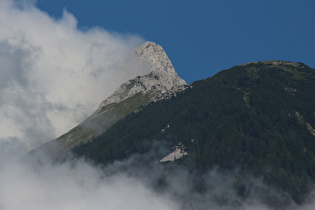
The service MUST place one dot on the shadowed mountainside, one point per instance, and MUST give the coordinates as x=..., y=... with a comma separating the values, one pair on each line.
x=258, y=117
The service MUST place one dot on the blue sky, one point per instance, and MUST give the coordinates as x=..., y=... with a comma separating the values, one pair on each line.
x=204, y=37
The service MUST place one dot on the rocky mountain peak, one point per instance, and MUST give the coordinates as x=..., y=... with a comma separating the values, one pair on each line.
x=155, y=56
x=161, y=79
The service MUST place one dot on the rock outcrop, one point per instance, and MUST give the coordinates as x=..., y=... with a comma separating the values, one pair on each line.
x=161, y=79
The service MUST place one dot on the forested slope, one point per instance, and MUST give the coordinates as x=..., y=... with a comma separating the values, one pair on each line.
x=259, y=117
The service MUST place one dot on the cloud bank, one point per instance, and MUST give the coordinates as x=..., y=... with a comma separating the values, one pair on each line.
x=76, y=184
x=73, y=185
x=53, y=75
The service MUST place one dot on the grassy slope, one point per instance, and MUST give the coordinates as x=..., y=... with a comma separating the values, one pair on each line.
x=101, y=121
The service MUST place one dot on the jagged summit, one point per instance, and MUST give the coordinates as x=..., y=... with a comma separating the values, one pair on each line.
x=161, y=79
x=154, y=55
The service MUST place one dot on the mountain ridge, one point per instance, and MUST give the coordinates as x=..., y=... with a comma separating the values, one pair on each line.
x=259, y=117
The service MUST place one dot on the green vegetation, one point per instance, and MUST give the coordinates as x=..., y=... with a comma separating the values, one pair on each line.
x=257, y=117
x=103, y=119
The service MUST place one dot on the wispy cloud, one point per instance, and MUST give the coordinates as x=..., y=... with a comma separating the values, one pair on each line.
x=52, y=74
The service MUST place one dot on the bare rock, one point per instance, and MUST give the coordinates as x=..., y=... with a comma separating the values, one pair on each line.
x=162, y=77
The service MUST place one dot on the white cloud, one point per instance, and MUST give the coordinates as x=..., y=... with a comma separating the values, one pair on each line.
x=73, y=185
x=53, y=75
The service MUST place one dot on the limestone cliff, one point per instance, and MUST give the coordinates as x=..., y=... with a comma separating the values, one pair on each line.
x=161, y=79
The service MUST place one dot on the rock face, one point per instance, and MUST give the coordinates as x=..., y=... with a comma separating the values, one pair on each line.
x=178, y=153
x=161, y=79
x=161, y=83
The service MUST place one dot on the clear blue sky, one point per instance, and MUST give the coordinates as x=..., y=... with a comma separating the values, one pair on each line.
x=204, y=37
